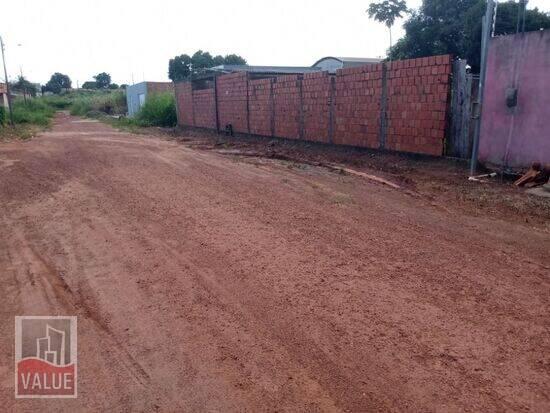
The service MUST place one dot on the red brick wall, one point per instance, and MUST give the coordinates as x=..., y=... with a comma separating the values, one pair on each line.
x=232, y=101
x=357, y=111
x=260, y=106
x=204, y=108
x=286, y=95
x=160, y=87
x=418, y=92
x=316, y=100
x=184, y=102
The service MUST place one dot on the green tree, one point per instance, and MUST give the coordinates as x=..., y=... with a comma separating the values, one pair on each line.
x=233, y=59
x=57, y=83
x=23, y=86
x=183, y=66
x=218, y=60
x=387, y=11
x=179, y=68
x=202, y=60
x=454, y=27
x=89, y=85
x=102, y=80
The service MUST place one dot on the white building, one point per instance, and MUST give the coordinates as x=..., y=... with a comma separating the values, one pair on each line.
x=332, y=64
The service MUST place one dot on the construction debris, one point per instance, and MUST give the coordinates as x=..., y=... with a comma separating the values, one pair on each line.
x=543, y=191
x=374, y=178
x=537, y=175
x=479, y=178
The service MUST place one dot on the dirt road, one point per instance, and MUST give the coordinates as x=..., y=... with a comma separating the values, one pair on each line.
x=207, y=282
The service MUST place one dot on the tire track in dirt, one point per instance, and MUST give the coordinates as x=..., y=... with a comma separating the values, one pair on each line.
x=266, y=286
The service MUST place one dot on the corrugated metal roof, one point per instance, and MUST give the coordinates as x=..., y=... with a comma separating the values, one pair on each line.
x=350, y=60
x=264, y=69
x=359, y=59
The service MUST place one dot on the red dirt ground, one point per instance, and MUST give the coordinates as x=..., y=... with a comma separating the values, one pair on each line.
x=212, y=282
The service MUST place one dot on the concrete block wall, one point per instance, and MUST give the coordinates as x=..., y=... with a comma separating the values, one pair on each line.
x=401, y=106
x=233, y=101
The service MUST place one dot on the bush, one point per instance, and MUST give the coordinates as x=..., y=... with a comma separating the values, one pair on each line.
x=58, y=102
x=158, y=110
x=110, y=103
x=35, y=111
x=2, y=116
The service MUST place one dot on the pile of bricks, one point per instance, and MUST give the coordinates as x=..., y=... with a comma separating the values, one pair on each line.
x=233, y=101
x=260, y=107
x=418, y=95
x=358, y=104
x=287, y=98
x=316, y=98
x=204, y=108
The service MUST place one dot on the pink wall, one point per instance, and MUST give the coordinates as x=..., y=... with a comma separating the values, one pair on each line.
x=517, y=137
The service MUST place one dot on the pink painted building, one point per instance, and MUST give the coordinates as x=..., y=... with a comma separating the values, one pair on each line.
x=515, y=125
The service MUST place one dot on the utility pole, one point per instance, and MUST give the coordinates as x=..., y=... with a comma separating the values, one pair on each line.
x=486, y=36
x=7, y=81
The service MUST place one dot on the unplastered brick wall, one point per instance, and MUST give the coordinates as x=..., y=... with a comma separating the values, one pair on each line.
x=184, y=103
x=287, y=98
x=233, y=101
x=260, y=106
x=418, y=95
x=358, y=106
x=316, y=98
x=402, y=105
x=204, y=108
x=160, y=87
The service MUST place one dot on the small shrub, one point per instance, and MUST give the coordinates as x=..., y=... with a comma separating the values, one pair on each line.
x=158, y=110
x=2, y=116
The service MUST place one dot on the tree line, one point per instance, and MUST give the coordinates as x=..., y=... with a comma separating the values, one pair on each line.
x=450, y=26
x=179, y=68
x=59, y=82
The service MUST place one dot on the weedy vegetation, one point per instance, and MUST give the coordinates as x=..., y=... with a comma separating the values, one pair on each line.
x=106, y=105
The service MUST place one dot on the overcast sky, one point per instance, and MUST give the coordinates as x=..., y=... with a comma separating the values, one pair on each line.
x=130, y=37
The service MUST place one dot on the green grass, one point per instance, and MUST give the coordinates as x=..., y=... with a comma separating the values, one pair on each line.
x=59, y=102
x=33, y=111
